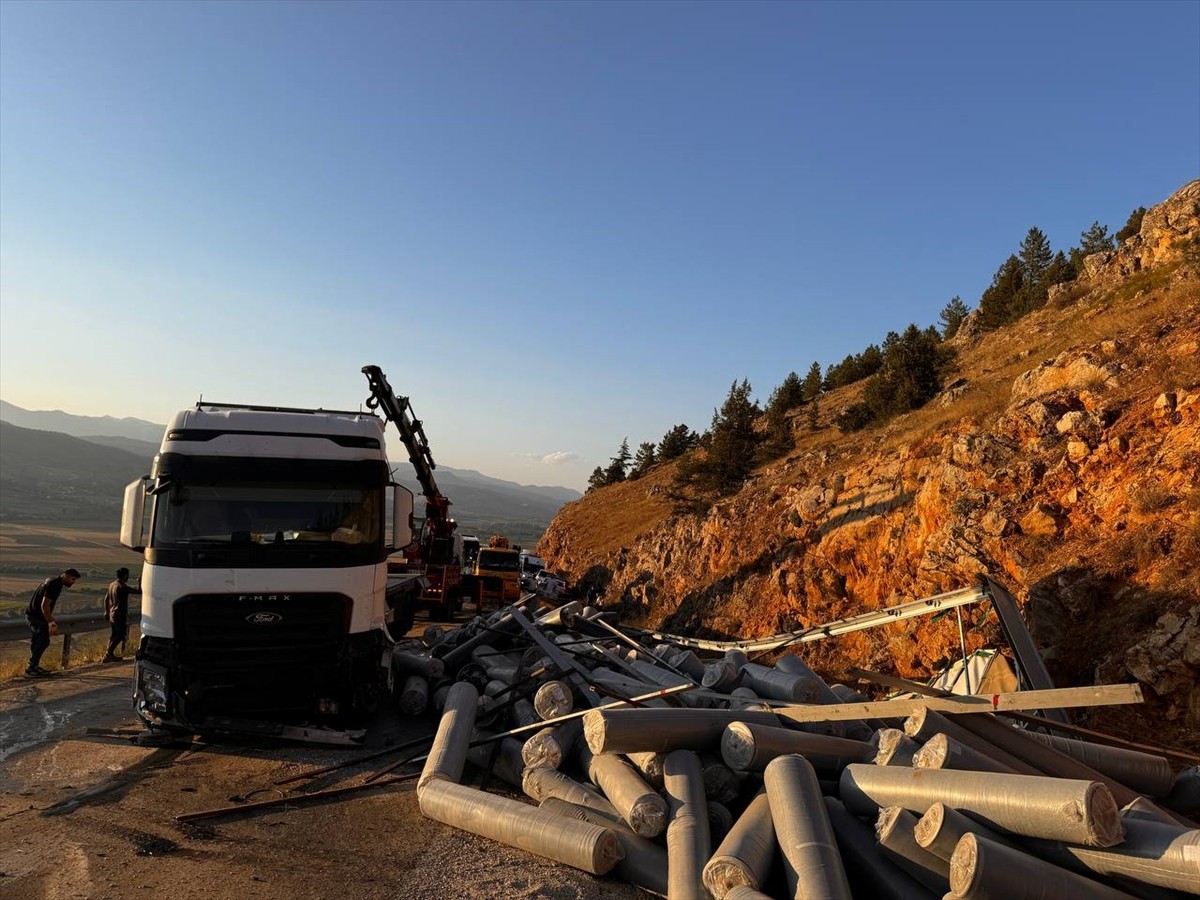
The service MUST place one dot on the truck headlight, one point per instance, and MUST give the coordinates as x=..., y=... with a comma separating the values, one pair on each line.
x=152, y=686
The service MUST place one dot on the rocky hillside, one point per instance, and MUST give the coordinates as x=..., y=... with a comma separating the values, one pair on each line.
x=1063, y=458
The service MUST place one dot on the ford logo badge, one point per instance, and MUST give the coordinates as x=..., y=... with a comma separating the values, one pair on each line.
x=264, y=618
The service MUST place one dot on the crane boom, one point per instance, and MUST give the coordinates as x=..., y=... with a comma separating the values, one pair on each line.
x=412, y=433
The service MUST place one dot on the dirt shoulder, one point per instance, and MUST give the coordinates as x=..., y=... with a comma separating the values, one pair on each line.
x=85, y=812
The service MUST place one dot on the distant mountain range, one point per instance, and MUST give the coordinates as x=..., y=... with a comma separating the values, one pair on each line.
x=61, y=469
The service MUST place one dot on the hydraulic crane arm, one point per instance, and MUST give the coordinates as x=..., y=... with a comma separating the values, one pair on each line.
x=399, y=410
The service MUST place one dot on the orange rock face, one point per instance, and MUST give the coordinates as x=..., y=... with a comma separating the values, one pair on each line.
x=1068, y=469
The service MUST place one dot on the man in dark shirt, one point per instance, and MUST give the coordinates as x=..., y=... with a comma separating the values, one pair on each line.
x=40, y=615
x=116, y=610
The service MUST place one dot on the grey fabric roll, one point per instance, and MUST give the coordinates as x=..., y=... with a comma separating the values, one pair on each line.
x=580, y=844
x=539, y=783
x=663, y=730
x=745, y=855
x=895, y=748
x=688, y=846
x=553, y=744
x=981, y=870
x=1145, y=773
x=1156, y=853
x=507, y=765
x=812, y=862
x=894, y=831
x=651, y=767
x=944, y=752
x=721, y=783
x=639, y=804
x=448, y=754
x=871, y=873
x=1080, y=812
x=941, y=827
x=414, y=696
x=749, y=747
x=553, y=699
x=777, y=685
x=644, y=863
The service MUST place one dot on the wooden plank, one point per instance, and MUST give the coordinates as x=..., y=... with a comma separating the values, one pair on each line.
x=1096, y=737
x=1058, y=698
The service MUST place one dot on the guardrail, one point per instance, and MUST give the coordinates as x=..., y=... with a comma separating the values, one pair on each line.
x=68, y=624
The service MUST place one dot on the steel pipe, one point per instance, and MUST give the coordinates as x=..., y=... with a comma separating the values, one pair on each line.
x=644, y=863
x=749, y=747
x=448, y=754
x=688, y=842
x=1080, y=812
x=580, y=844
x=894, y=829
x=663, y=730
x=745, y=855
x=812, y=863
x=981, y=869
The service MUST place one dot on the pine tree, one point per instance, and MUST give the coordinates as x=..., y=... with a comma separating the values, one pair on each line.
x=1036, y=257
x=812, y=382
x=998, y=305
x=643, y=460
x=786, y=397
x=814, y=413
x=618, y=465
x=1133, y=225
x=676, y=442
x=730, y=447
x=952, y=316
x=596, y=479
x=1095, y=240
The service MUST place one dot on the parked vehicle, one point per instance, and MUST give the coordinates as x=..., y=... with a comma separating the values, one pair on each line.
x=530, y=566
x=549, y=585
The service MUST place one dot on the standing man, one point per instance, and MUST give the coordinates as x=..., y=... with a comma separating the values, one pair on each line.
x=116, y=610
x=40, y=615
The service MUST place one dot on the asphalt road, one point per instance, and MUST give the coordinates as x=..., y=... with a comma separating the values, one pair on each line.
x=86, y=812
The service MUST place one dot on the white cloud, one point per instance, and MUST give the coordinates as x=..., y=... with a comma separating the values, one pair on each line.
x=559, y=457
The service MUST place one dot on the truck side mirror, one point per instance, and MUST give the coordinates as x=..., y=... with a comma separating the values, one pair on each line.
x=402, y=517
x=133, y=515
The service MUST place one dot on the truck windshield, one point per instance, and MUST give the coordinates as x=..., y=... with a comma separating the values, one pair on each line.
x=266, y=513
x=499, y=560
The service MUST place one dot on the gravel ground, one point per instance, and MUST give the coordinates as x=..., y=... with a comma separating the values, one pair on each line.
x=85, y=812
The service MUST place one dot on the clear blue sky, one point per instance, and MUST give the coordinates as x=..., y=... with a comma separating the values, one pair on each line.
x=554, y=225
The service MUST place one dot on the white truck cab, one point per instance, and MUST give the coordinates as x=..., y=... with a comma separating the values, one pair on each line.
x=265, y=595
